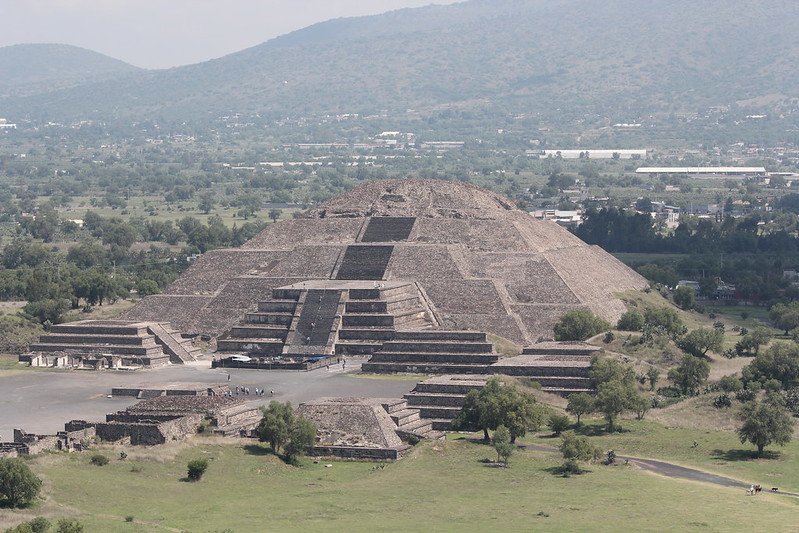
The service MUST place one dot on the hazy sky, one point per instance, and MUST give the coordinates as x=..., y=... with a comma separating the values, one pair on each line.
x=168, y=33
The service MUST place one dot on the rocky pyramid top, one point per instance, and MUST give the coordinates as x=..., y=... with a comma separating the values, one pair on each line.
x=415, y=198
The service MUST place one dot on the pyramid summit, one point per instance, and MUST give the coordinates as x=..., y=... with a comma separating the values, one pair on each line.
x=443, y=255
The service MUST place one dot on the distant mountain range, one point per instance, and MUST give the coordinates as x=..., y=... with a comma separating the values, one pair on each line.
x=622, y=58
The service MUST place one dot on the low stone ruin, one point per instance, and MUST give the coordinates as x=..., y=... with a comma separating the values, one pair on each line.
x=71, y=440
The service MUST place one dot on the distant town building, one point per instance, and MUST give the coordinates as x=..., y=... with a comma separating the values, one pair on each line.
x=589, y=153
x=6, y=125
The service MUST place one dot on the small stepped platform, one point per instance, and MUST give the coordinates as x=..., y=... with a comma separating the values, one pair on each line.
x=560, y=367
x=434, y=352
x=110, y=344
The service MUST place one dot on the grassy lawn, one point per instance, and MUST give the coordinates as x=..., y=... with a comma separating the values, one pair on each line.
x=440, y=486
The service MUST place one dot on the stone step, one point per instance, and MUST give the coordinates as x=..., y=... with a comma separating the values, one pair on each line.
x=250, y=331
x=286, y=294
x=416, y=399
x=277, y=306
x=250, y=345
x=420, y=425
x=115, y=349
x=179, y=353
x=283, y=319
x=423, y=368
x=550, y=350
x=359, y=347
x=395, y=405
x=85, y=338
x=395, y=345
x=405, y=416
x=366, y=333
x=563, y=382
x=463, y=388
x=434, y=335
x=100, y=328
x=440, y=424
x=439, y=411
x=565, y=392
x=383, y=356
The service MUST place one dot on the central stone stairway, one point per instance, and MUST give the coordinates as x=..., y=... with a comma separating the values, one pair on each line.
x=434, y=352
x=327, y=318
x=440, y=398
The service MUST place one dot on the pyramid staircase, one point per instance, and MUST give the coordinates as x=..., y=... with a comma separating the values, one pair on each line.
x=179, y=350
x=434, y=352
x=343, y=318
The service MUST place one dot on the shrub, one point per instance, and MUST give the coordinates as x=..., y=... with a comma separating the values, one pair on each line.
x=197, y=468
x=40, y=524
x=559, y=423
x=730, y=384
x=631, y=320
x=746, y=395
x=128, y=518
x=722, y=401
x=99, y=459
x=67, y=525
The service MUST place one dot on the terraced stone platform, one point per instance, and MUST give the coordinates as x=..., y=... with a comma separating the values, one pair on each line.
x=110, y=344
x=560, y=368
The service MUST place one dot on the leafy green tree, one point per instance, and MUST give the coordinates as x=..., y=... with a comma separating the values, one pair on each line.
x=765, y=423
x=196, y=469
x=207, y=202
x=666, y=319
x=605, y=370
x=780, y=362
x=785, y=316
x=700, y=341
x=275, y=425
x=612, y=399
x=640, y=405
x=500, y=405
x=275, y=213
x=631, y=320
x=302, y=435
x=580, y=404
x=652, y=375
x=502, y=444
x=690, y=375
x=47, y=311
x=18, y=485
x=146, y=287
x=579, y=325
x=753, y=340
x=684, y=298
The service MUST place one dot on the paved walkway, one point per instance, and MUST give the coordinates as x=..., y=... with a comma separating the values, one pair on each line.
x=670, y=470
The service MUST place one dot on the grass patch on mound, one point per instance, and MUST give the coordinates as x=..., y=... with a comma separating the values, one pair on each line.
x=441, y=485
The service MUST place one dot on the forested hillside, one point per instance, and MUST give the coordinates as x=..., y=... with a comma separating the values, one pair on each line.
x=27, y=69
x=621, y=59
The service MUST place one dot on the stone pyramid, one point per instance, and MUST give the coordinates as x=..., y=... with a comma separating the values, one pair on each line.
x=479, y=262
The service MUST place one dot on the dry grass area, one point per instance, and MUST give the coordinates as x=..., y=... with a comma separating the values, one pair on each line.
x=101, y=312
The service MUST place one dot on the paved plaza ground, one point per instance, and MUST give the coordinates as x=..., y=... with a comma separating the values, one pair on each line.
x=40, y=401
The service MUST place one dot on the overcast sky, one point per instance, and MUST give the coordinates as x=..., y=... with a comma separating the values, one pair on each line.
x=168, y=33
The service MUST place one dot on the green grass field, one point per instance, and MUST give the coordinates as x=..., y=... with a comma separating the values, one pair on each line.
x=440, y=486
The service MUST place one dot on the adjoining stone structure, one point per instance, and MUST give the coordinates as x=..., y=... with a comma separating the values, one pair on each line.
x=71, y=440
x=165, y=418
x=112, y=344
x=475, y=261
x=559, y=367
